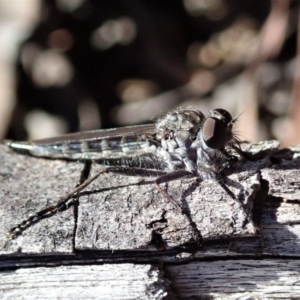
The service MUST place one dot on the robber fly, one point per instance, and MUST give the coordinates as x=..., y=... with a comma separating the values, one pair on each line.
x=178, y=143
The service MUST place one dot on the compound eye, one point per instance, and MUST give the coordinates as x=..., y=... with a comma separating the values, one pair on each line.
x=224, y=114
x=215, y=133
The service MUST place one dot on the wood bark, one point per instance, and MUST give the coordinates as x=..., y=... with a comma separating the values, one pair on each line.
x=124, y=240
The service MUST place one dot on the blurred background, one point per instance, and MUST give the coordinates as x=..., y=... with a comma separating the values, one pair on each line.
x=70, y=65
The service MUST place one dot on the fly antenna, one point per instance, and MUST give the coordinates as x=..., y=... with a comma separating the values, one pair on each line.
x=234, y=119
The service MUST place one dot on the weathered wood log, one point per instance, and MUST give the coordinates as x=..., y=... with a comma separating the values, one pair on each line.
x=227, y=247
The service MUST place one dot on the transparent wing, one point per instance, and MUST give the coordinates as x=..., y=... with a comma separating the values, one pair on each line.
x=123, y=142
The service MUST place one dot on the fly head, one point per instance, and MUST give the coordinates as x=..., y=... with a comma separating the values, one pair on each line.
x=217, y=129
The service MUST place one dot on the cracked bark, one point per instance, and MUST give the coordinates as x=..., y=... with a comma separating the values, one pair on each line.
x=124, y=219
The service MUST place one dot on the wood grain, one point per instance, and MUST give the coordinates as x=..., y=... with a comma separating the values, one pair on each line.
x=226, y=248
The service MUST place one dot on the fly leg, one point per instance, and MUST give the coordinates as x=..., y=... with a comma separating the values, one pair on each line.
x=220, y=179
x=69, y=199
x=83, y=177
x=169, y=177
x=49, y=211
x=172, y=176
x=230, y=159
x=243, y=153
x=221, y=182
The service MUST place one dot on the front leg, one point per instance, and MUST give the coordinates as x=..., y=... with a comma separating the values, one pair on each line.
x=230, y=157
x=229, y=160
x=243, y=153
